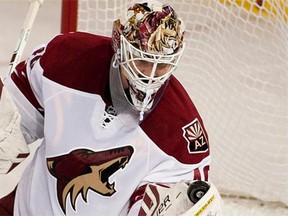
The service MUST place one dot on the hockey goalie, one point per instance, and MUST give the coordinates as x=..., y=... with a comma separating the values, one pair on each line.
x=120, y=134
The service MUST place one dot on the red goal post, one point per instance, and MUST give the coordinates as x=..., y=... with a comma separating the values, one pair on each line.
x=69, y=16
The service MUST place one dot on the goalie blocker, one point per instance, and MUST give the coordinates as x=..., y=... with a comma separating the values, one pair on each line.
x=182, y=199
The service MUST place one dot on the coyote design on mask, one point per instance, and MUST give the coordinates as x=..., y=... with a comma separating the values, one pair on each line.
x=83, y=169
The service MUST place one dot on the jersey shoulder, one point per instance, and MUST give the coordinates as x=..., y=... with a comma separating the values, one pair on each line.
x=77, y=60
x=176, y=127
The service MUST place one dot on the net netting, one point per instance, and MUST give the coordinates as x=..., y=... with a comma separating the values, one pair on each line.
x=235, y=70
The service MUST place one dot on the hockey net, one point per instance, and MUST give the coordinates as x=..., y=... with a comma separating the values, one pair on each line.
x=235, y=70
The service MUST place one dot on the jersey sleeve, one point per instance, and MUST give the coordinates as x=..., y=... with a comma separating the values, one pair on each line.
x=24, y=86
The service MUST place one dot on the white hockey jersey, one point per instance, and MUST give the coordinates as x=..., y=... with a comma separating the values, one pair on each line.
x=86, y=164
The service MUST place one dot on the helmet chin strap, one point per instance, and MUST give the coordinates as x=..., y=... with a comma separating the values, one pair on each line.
x=145, y=103
x=148, y=96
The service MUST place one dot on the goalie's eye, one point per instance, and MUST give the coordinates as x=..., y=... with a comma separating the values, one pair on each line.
x=162, y=69
x=146, y=67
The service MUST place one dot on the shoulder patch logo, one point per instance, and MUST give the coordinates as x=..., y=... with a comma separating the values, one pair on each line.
x=195, y=136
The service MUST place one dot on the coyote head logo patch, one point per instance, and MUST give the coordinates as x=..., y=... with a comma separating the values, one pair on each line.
x=195, y=137
x=82, y=170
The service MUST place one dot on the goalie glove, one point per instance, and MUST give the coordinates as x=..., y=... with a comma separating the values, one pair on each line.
x=181, y=199
x=13, y=147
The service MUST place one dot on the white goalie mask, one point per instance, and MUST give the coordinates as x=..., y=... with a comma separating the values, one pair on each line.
x=148, y=42
x=146, y=73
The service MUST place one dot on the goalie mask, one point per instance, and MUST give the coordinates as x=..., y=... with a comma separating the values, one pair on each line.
x=148, y=44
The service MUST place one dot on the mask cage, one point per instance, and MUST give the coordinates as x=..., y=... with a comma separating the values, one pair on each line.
x=131, y=58
x=146, y=73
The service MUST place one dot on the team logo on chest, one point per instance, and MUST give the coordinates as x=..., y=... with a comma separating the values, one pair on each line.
x=195, y=137
x=84, y=170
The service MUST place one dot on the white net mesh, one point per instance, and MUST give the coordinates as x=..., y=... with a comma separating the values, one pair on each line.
x=235, y=70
